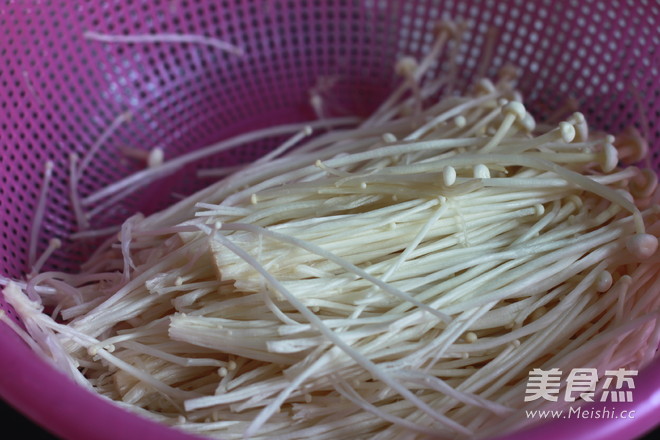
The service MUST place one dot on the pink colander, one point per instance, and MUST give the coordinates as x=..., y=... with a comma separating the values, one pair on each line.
x=60, y=91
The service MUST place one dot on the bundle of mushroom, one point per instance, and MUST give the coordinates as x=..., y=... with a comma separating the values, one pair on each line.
x=397, y=278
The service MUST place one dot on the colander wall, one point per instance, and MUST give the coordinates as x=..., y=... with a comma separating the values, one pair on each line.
x=60, y=91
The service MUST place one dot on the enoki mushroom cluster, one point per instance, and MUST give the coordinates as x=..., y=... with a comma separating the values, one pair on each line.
x=397, y=279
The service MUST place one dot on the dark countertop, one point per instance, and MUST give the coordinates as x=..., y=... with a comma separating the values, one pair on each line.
x=21, y=427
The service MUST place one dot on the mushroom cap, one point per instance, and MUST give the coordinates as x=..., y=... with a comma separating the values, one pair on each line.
x=643, y=245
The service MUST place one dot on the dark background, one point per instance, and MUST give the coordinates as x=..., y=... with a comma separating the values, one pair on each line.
x=15, y=425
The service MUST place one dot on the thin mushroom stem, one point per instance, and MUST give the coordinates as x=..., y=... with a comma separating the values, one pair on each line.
x=453, y=112
x=513, y=111
x=53, y=245
x=165, y=38
x=139, y=179
x=39, y=213
x=96, y=146
x=151, y=158
x=487, y=52
x=319, y=251
x=360, y=359
x=74, y=176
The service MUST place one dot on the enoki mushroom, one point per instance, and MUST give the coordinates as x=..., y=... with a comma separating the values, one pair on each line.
x=397, y=279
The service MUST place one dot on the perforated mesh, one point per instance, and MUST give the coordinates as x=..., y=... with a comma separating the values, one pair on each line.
x=59, y=92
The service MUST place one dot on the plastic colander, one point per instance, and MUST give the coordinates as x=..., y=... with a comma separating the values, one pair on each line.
x=60, y=91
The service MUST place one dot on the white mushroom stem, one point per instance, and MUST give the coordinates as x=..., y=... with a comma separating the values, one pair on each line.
x=285, y=146
x=151, y=158
x=631, y=145
x=165, y=38
x=458, y=30
x=407, y=68
x=644, y=184
x=606, y=158
x=531, y=162
x=82, y=220
x=362, y=361
x=578, y=120
x=101, y=140
x=449, y=114
x=442, y=35
x=513, y=111
x=487, y=52
x=53, y=245
x=38, y=218
x=569, y=106
x=139, y=179
x=558, y=137
x=417, y=75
